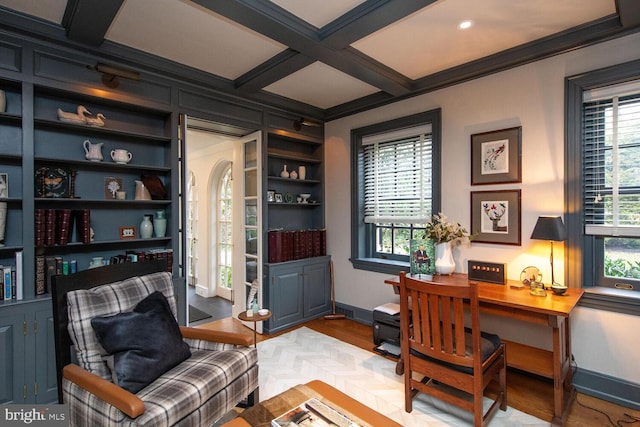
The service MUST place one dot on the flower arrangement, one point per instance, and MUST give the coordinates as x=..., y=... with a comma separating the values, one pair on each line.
x=440, y=230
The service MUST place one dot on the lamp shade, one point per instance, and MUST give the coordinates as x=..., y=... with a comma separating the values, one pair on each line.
x=549, y=228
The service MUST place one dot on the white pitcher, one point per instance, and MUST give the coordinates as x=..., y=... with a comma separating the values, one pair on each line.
x=92, y=151
x=142, y=192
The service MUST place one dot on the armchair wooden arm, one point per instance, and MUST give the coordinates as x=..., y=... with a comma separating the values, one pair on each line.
x=125, y=401
x=216, y=336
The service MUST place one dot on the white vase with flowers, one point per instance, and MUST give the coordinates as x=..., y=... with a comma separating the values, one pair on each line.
x=444, y=234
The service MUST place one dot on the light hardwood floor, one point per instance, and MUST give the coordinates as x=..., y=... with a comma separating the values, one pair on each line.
x=526, y=393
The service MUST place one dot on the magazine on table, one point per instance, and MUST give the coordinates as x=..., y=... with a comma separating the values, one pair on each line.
x=313, y=413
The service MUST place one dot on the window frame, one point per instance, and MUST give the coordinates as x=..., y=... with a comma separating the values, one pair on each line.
x=363, y=238
x=580, y=249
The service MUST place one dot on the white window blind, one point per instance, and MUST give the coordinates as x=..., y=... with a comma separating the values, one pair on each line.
x=611, y=160
x=397, y=176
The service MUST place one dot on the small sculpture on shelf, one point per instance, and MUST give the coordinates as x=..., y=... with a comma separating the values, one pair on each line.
x=98, y=120
x=82, y=116
x=79, y=117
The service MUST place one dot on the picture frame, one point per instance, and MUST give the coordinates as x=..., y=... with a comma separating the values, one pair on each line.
x=54, y=182
x=278, y=197
x=496, y=217
x=271, y=196
x=4, y=185
x=422, y=257
x=111, y=186
x=128, y=232
x=496, y=157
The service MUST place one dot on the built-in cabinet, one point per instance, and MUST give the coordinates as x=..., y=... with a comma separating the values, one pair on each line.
x=295, y=289
x=27, y=361
x=67, y=151
x=44, y=167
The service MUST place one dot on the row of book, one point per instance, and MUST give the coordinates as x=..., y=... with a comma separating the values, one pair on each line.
x=11, y=284
x=55, y=226
x=297, y=244
x=49, y=266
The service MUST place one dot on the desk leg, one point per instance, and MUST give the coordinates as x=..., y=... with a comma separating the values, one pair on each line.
x=563, y=391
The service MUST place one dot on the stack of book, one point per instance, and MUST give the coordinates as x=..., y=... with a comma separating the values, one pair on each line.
x=48, y=266
x=11, y=285
x=55, y=226
x=298, y=244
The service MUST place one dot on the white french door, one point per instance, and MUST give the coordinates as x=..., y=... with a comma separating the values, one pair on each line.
x=248, y=254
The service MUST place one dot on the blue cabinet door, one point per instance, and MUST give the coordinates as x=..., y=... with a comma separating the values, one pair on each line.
x=317, y=295
x=12, y=359
x=45, y=359
x=285, y=296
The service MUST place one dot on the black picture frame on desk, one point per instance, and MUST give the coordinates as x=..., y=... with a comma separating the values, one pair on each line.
x=495, y=217
x=496, y=157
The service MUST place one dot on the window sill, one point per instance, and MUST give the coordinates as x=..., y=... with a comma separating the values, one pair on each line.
x=380, y=265
x=609, y=299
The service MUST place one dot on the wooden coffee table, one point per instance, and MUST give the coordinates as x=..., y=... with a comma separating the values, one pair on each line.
x=264, y=412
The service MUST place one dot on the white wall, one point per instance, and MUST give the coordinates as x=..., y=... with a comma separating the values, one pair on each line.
x=204, y=152
x=531, y=96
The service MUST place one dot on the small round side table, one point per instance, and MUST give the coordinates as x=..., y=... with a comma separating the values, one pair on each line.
x=255, y=319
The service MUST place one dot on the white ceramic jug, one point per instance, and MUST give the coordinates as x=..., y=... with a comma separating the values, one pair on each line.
x=121, y=156
x=92, y=151
x=142, y=192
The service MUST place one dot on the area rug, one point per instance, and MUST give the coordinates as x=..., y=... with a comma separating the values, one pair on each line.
x=196, y=314
x=303, y=355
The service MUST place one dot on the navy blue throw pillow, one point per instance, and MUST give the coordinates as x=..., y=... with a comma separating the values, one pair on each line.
x=144, y=343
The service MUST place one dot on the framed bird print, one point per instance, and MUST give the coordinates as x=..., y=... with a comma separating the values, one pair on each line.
x=496, y=157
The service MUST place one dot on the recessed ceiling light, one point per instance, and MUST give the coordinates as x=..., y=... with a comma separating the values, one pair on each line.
x=465, y=24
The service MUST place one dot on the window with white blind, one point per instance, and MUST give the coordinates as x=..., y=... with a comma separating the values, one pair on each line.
x=396, y=179
x=611, y=182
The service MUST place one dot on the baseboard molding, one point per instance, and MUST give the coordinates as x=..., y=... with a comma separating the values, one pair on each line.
x=608, y=388
x=360, y=315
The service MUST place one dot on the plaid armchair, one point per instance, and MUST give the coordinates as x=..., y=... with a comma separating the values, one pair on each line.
x=219, y=372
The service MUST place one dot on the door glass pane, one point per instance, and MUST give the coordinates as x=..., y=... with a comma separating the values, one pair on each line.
x=251, y=212
x=252, y=241
x=250, y=155
x=251, y=183
x=251, y=269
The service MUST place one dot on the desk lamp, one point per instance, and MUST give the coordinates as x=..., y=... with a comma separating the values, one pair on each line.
x=552, y=229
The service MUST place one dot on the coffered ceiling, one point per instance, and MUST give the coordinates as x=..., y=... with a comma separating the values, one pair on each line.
x=326, y=58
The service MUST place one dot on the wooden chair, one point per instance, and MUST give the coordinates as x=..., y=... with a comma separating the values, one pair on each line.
x=435, y=344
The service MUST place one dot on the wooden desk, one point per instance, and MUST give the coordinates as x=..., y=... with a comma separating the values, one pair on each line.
x=552, y=311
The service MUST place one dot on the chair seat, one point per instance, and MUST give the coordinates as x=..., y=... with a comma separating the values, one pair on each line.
x=188, y=386
x=489, y=343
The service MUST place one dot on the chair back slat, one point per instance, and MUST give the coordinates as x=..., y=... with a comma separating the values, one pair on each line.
x=438, y=321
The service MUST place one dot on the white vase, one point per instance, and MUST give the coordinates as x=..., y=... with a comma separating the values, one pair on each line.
x=146, y=227
x=3, y=101
x=159, y=224
x=444, y=259
x=302, y=172
x=284, y=173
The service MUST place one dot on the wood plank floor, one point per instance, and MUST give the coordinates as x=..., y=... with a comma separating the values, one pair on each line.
x=530, y=394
